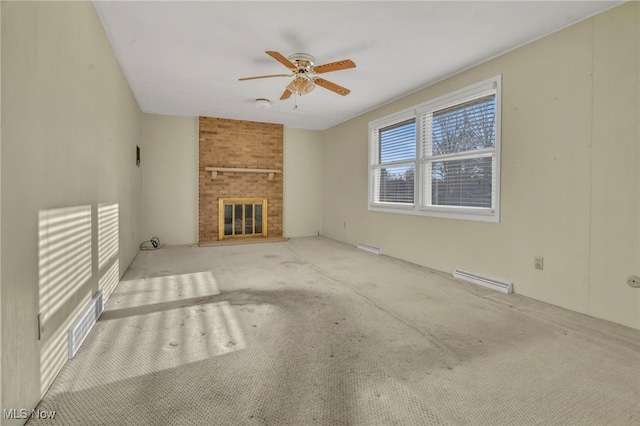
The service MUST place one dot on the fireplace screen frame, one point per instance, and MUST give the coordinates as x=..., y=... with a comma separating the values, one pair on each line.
x=233, y=202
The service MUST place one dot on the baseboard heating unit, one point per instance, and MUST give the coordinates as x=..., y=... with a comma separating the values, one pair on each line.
x=491, y=283
x=81, y=327
x=368, y=247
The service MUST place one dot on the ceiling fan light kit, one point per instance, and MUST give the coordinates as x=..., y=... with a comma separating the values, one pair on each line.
x=301, y=85
x=305, y=74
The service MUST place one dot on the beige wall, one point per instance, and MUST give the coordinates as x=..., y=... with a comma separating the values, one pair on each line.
x=70, y=125
x=615, y=216
x=570, y=183
x=1, y=369
x=302, y=183
x=170, y=178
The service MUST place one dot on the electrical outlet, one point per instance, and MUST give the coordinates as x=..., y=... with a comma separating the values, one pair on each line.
x=538, y=262
x=633, y=281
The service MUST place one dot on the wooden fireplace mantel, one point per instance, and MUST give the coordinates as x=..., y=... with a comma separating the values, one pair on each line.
x=214, y=171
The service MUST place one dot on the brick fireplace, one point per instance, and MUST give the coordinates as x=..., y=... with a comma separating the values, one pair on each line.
x=244, y=160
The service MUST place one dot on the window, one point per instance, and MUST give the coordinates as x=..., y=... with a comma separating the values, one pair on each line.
x=394, y=163
x=440, y=158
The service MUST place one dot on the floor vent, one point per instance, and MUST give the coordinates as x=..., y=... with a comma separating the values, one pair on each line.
x=372, y=249
x=83, y=324
x=484, y=281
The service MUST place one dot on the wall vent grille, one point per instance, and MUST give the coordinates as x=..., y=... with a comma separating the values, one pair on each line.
x=81, y=327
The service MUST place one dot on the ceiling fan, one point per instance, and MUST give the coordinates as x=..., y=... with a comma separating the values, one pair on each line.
x=305, y=74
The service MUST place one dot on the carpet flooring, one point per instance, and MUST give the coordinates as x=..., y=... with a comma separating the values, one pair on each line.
x=316, y=332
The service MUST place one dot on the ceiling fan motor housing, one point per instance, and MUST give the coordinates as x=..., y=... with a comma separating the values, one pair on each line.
x=303, y=60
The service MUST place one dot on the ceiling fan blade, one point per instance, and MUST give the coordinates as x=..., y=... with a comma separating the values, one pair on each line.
x=332, y=86
x=265, y=76
x=285, y=95
x=335, y=66
x=284, y=61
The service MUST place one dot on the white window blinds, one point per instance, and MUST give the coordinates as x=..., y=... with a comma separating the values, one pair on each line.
x=393, y=161
x=458, y=154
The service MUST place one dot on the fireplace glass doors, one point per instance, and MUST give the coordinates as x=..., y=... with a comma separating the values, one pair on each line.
x=242, y=218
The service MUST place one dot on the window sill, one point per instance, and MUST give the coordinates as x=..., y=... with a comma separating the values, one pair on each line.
x=478, y=215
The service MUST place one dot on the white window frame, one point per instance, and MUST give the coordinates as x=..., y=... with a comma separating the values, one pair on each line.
x=373, y=150
x=421, y=194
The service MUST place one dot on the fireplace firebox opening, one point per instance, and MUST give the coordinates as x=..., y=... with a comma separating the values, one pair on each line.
x=242, y=218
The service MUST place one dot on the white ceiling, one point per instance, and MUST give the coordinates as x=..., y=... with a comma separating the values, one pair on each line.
x=185, y=58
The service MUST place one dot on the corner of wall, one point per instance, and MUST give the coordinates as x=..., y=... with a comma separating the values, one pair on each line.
x=302, y=182
x=1, y=369
x=170, y=178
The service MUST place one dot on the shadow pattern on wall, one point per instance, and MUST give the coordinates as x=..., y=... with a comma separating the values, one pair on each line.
x=67, y=271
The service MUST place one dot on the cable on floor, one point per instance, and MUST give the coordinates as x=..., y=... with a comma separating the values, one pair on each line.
x=152, y=244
